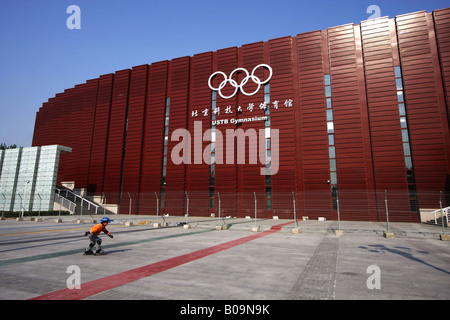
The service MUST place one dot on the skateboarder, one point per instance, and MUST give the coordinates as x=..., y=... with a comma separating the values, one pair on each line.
x=94, y=237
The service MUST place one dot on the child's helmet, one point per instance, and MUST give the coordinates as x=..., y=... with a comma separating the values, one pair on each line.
x=106, y=219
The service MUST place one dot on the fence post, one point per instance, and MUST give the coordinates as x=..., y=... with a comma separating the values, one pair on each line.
x=4, y=204
x=40, y=202
x=21, y=205
x=338, y=212
x=442, y=215
x=187, y=206
x=218, y=196
x=104, y=204
x=129, y=209
x=255, y=228
x=157, y=206
x=59, y=214
x=387, y=211
x=295, y=212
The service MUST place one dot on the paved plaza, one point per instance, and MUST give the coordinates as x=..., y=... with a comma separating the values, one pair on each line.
x=44, y=260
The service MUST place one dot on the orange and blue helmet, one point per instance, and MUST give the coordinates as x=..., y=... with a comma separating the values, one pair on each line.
x=106, y=219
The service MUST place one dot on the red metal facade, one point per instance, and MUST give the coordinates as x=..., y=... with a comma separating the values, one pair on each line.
x=120, y=125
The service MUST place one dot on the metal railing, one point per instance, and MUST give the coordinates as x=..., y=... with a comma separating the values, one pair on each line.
x=83, y=200
x=66, y=203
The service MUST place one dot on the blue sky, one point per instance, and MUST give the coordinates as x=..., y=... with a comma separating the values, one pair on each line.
x=40, y=56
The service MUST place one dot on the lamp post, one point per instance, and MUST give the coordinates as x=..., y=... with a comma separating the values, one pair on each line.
x=25, y=197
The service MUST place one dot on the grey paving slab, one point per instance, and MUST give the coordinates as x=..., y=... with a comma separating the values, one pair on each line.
x=315, y=264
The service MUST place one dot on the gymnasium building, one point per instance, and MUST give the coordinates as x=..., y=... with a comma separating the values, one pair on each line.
x=348, y=119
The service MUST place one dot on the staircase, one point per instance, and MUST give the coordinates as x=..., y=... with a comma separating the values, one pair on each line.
x=437, y=217
x=78, y=204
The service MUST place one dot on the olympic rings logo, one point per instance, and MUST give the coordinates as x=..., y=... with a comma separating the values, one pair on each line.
x=244, y=81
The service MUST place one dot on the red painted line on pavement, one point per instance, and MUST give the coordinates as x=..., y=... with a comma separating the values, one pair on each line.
x=96, y=286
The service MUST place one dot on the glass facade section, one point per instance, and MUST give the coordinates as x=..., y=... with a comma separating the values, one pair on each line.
x=28, y=178
x=268, y=180
x=331, y=143
x=405, y=138
x=164, y=162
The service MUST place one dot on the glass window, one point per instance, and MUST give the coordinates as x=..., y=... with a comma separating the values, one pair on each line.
x=329, y=106
x=167, y=102
x=329, y=115
x=410, y=176
x=327, y=79
x=406, y=149
x=331, y=139
x=333, y=177
x=269, y=203
x=398, y=72
x=400, y=96
x=332, y=164
x=403, y=122
x=268, y=192
x=266, y=88
x=330, y=126
x=399, y=83
x=334, y=191
x=408, y=163
x=332, y=152
x=405, y=137
x=401, y=109
x=328, y=91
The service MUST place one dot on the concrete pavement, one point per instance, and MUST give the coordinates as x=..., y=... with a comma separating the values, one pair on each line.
x=42, y=259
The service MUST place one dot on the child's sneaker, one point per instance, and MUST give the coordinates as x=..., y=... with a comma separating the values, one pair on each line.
x=99, y=253
x=88, y=252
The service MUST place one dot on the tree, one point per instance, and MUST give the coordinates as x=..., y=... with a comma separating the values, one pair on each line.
x=3, y=146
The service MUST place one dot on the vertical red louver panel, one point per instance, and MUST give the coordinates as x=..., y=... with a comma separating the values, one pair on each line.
x=178, y=92
x=88, y=92
x=153, y=138
x=100, y=134
x=425, y=104
x=134, y=138
x=197, y=172
x=282, y=91
x=116, y=135
x=249, y=178
x=315, y=195
x=352, y=136
x=386, y=134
